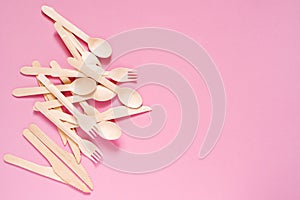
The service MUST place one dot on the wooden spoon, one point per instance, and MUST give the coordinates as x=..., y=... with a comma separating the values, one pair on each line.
x=75, y=48
x=98, y=46
x=80, y=86
x=100, y=94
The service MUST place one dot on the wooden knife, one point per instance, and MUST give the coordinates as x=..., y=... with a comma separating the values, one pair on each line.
x=66, y=157
x=57, y=165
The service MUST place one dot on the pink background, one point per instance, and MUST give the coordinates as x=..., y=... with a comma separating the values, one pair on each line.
x=255, y=45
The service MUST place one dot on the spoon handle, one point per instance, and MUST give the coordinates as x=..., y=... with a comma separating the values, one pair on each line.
x=50, y=12
x=75, y=42
x=62, y=33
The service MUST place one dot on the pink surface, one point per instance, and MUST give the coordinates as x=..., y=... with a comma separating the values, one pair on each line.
x=255, y=45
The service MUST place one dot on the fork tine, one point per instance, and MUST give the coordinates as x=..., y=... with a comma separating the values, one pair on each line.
x=132, y=71
x=95, y=159
x=99, y=154
x=99, y=158
x=132, y=74
x=91, y=135
x=132, y=77
x=95, y=132
x=96, y=128
x=92, y=132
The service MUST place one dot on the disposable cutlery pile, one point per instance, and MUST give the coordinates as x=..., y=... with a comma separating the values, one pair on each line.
x=88, y=81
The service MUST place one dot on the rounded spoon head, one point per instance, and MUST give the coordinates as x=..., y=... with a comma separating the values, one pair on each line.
x=129, y=97
x=99, y=47
x=84, y=86
x=109, y=130
x=90, y=59
x=103, y=94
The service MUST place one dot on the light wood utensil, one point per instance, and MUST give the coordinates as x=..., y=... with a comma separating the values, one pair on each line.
x=101, y=94
x=63, y=33
x=64, y=156
x=90, y=110
x=88, y=148
x=26, y=70
x=58, y=167
x=48, y=97
x=120, y=75
x=87, y=57
x=80, y=86
x=98, y=46
x=65, y=79
x=87, y=123
x=77, y=51
x=74, y=147
x=109, y=114
x=33, y=167
x=128, y=96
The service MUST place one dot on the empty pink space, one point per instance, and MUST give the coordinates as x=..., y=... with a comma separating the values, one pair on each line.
x=255, y=45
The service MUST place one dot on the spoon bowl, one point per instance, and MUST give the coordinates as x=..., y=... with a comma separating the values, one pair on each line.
x=129, y=97
x=109, y=130
x=90, y=59
x=83, y=86
x=102, y=94
x=99, y=47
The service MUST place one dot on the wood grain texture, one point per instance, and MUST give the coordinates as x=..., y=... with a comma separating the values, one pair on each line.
x=63, y=155
x=57, y=165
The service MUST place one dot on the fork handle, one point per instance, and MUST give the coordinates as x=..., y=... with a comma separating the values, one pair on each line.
x=66, y=129
x=50, y=12
x=58, y=95
x=40, y=107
